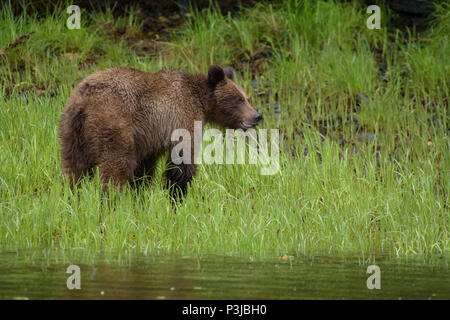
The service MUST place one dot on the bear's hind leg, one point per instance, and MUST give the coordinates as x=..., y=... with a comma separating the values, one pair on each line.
x=75, y=155
x=118, y=169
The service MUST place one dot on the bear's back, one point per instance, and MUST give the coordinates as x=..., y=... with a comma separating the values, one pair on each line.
x=135, y=87
x=123, y=82
x=154, y=104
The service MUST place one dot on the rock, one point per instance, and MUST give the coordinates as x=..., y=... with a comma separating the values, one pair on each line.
x=22, y=97
x=367, y=136
x=267, y=54
x=277, y=110
x=361, y=98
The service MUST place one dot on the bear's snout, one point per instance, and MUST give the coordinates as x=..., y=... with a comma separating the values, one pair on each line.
x=257, y=118
x=251, y=118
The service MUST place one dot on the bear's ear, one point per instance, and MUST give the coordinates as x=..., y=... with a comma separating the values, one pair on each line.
x=215, y=75
x=229, y=73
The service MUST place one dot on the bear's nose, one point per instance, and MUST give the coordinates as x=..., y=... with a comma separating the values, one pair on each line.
x=257, y=118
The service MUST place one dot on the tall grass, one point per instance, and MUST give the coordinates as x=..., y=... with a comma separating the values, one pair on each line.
x=375, y=184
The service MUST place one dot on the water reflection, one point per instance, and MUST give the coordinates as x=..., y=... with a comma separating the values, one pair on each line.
x=42, y=275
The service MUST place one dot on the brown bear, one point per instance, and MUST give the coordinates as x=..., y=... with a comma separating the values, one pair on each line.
x=121, y=120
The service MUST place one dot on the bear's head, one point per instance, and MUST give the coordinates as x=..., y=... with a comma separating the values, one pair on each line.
x=228, y=104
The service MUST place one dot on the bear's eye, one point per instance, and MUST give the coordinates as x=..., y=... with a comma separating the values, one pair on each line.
x=240, y=100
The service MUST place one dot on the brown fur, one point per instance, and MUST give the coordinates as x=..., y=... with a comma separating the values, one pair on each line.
x=121, y=120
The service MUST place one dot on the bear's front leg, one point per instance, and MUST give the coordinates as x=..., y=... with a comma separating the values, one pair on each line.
x=144, y=170
x=178, y=177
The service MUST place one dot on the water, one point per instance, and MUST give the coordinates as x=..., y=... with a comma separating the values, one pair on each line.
x=38, y=275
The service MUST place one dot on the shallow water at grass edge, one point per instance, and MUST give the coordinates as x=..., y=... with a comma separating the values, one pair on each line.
x=38, y=275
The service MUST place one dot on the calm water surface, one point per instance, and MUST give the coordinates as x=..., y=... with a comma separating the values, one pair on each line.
x=40, y=275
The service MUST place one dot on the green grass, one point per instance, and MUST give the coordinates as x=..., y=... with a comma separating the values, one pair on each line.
x=381, y=188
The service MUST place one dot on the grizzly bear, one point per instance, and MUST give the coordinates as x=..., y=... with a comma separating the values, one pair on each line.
x=121, y=120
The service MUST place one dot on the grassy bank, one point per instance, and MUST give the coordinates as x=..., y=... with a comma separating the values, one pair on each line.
x=363, y=120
